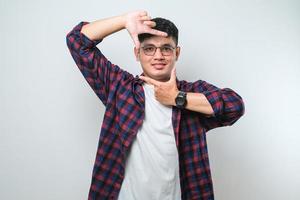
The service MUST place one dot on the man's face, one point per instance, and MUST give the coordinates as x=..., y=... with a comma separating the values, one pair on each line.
x=159, y=65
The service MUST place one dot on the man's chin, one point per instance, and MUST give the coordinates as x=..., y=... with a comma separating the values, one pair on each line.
x=160, y=77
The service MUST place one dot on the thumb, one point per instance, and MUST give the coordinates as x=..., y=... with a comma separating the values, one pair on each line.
x=173, y=75
x=136, y=41
x=149, y=80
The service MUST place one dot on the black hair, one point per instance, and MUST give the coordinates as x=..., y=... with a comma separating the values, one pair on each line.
x=162, y=25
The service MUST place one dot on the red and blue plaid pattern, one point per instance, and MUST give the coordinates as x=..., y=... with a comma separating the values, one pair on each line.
x=123, y=96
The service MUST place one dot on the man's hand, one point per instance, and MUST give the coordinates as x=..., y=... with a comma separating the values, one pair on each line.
x=165, y=92
x=139, y=22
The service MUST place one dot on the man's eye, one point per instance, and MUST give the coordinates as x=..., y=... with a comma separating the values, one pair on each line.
x=149, y=49
x=167, y=49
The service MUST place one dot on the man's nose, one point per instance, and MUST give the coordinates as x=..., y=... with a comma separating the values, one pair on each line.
x=158, y=53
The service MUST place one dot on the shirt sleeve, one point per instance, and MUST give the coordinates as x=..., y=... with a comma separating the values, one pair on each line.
x=98, y=71
x=228, y=106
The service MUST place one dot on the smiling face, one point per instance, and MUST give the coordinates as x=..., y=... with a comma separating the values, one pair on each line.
x=158, y=66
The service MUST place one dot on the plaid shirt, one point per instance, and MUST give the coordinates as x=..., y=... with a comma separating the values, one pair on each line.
x=123, y=96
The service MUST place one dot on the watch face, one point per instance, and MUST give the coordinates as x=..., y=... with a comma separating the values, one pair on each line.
x=180, y=101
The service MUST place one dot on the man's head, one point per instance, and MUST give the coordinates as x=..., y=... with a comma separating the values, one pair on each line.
x=162, y=25
x=158, y=54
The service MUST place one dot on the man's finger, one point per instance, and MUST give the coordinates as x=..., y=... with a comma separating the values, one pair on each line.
x=173, y=75
x=136, y=41
x=149, y=80
x=143, y=13
x=145, y=18
x=156, y=32
x=149, y=23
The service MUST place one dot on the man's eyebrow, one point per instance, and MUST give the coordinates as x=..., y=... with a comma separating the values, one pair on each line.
x=148, y=44
x=163, y=45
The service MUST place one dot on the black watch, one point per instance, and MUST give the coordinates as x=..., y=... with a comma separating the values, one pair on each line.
x=180, y=100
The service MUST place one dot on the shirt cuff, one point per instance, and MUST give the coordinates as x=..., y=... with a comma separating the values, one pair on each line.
x=84, y=39
x=214, y=97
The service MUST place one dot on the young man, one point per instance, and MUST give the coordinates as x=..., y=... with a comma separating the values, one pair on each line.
x=152, y=143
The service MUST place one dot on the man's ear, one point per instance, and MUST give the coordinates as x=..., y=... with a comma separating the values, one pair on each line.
x=137, y=54
x=177, y=52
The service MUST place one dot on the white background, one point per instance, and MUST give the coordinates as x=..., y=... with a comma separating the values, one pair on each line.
x=50, y=119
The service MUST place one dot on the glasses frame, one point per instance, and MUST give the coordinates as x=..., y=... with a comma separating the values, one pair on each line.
x=160, y=48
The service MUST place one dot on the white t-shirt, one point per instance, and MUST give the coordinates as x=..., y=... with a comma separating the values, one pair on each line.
x=152, y=168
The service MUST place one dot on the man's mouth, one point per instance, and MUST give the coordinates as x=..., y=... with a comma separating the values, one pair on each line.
x=159, y=65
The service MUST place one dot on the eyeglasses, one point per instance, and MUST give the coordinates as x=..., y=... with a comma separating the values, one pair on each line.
x=165, y=50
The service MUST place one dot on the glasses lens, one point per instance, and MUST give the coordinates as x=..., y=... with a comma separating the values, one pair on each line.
x=149, y=50
x=165, y=50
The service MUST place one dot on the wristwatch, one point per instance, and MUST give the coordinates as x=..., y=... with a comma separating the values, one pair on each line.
x=180, y=100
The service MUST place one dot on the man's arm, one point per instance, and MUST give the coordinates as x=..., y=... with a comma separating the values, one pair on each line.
x=99, y=29
x=98, y=71
x=135, y=22
x=166, y=92
x=221, y=106
x=198, y=102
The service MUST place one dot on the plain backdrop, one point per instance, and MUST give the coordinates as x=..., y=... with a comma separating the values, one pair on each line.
x=50, y=118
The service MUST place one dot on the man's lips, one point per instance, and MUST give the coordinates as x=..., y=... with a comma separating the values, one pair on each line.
x=158, y=65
